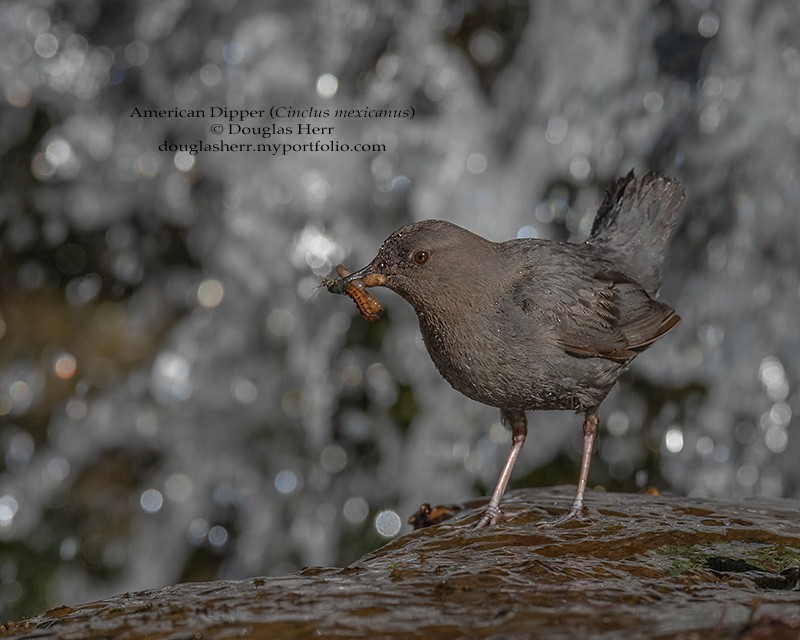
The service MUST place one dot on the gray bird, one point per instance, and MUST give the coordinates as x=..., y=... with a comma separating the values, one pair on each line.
x=532, y=324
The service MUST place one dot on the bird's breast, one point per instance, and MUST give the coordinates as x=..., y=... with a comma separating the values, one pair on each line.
x=479, y=358
x=492, y=360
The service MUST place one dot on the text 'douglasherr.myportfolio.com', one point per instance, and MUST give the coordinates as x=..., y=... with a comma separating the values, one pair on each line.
x=278, y=130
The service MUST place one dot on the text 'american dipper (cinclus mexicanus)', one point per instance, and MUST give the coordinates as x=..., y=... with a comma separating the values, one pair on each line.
x=535, y=324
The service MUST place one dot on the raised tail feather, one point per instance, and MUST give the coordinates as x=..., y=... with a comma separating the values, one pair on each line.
x=633, y=224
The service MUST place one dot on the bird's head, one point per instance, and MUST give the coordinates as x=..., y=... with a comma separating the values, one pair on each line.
x=424, y=260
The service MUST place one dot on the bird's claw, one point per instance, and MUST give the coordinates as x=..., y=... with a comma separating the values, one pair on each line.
x=490, y=517
x=574, y=510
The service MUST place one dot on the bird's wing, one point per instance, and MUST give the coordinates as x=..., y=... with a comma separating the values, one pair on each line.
x=593, y=312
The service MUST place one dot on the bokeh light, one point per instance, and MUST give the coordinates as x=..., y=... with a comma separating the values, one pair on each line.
x=169, y=362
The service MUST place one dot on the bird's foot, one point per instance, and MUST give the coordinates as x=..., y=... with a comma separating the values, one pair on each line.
x=574, y=510
x=490, y=517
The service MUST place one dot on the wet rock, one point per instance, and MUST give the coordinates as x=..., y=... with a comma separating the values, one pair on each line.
x=633, y=566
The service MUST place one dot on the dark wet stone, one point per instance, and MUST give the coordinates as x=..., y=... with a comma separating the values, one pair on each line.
x=637, y=566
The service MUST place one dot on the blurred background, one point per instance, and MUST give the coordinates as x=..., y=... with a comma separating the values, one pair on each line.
x=178, y=399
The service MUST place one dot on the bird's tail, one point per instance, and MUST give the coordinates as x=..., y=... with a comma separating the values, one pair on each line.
x=633, y=224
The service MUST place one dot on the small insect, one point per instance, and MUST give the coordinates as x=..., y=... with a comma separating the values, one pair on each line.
x=427, y=515
x=368, y=305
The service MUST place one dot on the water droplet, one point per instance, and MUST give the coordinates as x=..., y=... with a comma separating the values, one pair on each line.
x=673, y=440
x=46, y=45
x=184, y=161
x=327, y=85
x=286, y=481
x=178, y=487
x=653, y=102
x=232, y=53
x=388, y=524
x=197, y=530
x=485, y=46
x=58, y=468
x=776, y=439
x=704, y=445
x=151, y=501
x=210, y=293
x=556, y=130
x=708, y=25
x=65, y=365
x=218, y=535
x=355, y=510
x=476, y=163
x=333, y=459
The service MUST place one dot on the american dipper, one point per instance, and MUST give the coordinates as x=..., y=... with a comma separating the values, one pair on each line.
x=535, y=324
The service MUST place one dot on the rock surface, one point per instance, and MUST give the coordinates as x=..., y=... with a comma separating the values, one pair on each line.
x=634, y=566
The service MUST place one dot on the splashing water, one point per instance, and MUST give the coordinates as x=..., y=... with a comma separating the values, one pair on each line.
x=176, y=403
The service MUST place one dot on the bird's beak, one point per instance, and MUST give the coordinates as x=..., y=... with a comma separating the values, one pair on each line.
x=367, y=276
x=361, y=274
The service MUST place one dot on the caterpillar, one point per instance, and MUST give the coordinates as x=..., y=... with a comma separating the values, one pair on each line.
x=368, y=305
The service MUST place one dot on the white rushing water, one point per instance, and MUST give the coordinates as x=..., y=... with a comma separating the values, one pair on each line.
x=269, y=427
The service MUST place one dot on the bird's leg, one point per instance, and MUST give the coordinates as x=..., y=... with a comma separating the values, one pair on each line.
x=516, y=421
x=590, y=423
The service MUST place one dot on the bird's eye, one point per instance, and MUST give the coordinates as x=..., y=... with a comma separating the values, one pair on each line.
x=382, y=266
x=420, y=257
